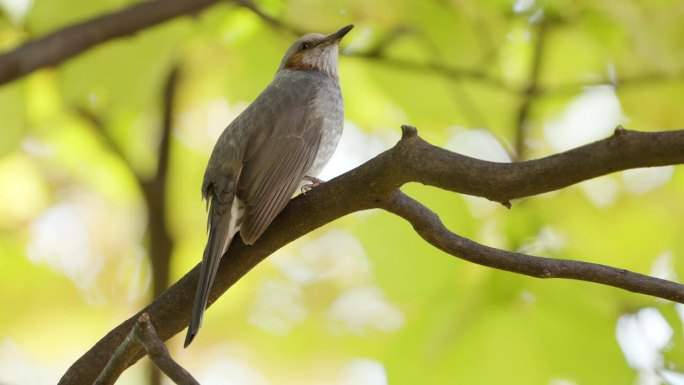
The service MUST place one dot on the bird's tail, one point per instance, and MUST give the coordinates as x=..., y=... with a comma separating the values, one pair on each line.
x=222, y=227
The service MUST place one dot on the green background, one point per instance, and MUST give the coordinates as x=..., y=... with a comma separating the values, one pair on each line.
x=362, y=300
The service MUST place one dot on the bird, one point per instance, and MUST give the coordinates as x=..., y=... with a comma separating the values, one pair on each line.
x=283, y=139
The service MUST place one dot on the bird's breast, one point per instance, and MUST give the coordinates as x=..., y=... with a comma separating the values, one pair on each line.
x=327, y=106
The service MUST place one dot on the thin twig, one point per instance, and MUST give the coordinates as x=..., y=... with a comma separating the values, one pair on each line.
x=428, y=225
x=390, y=38
x=154, y=191
x=143, y=335
x=96, y=122
x=159, y=354
x=530, y=93
x=273, y=22
x=376, y=53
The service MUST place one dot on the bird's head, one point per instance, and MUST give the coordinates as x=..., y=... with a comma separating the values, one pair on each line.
x=314, y=52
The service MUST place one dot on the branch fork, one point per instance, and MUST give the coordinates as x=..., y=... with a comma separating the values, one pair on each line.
x=376, y=185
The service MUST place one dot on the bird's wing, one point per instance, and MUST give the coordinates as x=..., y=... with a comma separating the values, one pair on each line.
x=274, y=166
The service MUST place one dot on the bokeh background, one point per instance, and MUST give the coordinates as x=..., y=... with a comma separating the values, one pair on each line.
x=95, y=218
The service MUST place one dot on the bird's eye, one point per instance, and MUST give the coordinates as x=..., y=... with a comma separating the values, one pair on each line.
x=304, y=46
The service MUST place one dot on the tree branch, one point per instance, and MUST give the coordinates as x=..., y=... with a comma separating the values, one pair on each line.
x=143, y=335
x=523, y=115
x=71, y=41
x=153, y=189
x=270, y=20
x=374, y=185
x=501, y=182
x=154, y=192
x=428, y=225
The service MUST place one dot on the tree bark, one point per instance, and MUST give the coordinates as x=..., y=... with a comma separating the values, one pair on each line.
x=376, y=184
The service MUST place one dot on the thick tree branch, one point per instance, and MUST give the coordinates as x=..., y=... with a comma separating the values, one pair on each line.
x=501, y=182
x=374, y=185
x=71, y=41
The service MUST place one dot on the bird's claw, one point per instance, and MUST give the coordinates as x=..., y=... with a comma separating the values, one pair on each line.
x=314, y=183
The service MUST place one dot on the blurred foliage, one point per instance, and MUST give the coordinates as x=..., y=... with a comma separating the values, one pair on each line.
x=363, y=298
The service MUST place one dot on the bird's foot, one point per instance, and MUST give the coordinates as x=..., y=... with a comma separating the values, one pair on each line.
x=314, y=182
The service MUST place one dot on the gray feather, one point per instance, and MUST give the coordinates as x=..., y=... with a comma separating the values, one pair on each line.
x=222, y=227
x=272, y=174
x=260, y=159
x=267, y=195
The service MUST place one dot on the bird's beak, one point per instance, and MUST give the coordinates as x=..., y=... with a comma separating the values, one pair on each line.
x=337, y=36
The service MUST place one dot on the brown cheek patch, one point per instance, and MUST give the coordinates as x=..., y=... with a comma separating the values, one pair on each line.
x=296, y=62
